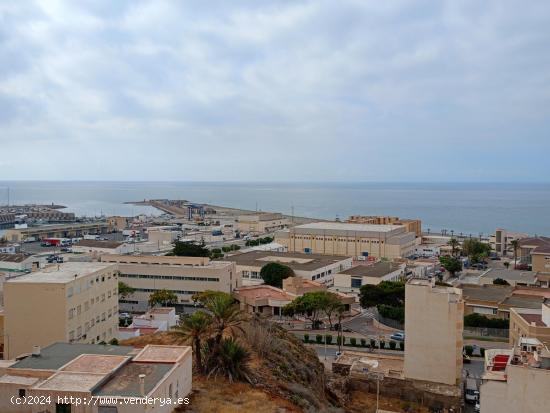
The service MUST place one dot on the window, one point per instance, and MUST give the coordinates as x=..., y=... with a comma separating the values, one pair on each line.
x=21, y=392
x=62, y=408
x=71, y=313
x=78, y=310
x=71, y=335
x=356, y=283
x=102, y=297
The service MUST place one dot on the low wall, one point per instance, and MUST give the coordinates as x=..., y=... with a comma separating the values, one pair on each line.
x=413, y=391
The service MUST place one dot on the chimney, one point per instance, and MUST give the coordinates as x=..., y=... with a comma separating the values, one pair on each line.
x=142, y=385
x=36, y=351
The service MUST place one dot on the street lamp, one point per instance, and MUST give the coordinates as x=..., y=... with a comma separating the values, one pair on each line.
x=325, y=328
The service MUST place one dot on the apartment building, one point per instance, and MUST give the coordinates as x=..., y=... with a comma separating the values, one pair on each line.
x=72, y=302
x=528, y=322
x=516, y=380
x=352, y=279
x=314, y=267
x=411, y=225
x=105, y=379
x=528, y=246
x=354, y=240
x=501, y=241
x=434, y=320
x=261, y=222
x=184, y=276
x=540, y=259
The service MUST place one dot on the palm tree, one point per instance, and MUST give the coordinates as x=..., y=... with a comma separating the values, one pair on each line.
x=193, y=329
x=230, y=359
x=515, y=245
x=453, y=243
x=226, y=314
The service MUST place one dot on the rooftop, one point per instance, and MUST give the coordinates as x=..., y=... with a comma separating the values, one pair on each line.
x=162, y=354
x=533, y=318
x=92, y=243
x=487, y=292
x=534, y=242
x=125, y=381
x=263, y=291
x=71, y=381
x=377, y=270
x=58, y=355
x=523, y=301
x=95, y=363
x=343, y=226
x=527, y=277
x=62, y=273
x=13, y=257
x=296, y=261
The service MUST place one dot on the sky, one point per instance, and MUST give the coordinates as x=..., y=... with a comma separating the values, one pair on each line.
x=348, y=90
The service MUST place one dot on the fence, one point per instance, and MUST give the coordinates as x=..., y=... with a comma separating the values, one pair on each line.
x=390, y=323
x=487, y=332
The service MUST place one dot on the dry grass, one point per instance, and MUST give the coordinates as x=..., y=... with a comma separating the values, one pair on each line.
x=220, y=396
x=361, y=402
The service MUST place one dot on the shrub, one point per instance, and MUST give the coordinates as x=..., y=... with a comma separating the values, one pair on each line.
x=372, y=343
x=113, y=342
x=319, y=338
x=306, y=338
x=226, y=249
x=392, y=312
x=392, y=345
x=328, y=338
x=343, y=340
x=363, y=342
x=401, y=346
x=482, y=351
x=353, y=341
x=339, y=340
x=469, y=350
x=478, y=320
x=382, y=344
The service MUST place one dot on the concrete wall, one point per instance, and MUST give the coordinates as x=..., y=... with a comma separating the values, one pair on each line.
x=433, y=328
x=525, y=391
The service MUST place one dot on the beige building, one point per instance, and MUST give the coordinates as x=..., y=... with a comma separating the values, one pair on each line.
x=118, y=223
x=261, y=222
x=95, y=248
x=314, y=267
x=352, y=279
x=501, y=241
x=534, y=323
x=540, y=259
x=184, y=276
x=518, y=380
x=85, y=378
x=74, y=230
x=411, y=225
x=354, y=240
x=434, y=319
x=74, y=302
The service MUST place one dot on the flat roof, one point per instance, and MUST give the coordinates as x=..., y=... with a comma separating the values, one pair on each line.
x=125, y=381
x=71, y=381
x=344, y=226
x=93, y=243
x=13, y=257
x=95, y=363
x=62, y=273
x=523, y=301
x=533, y=318
x=296, y=261
x=264, y=291
x=57, y=355
x=511, y=275
x=486, y=292
x=162, y=354
x=22, y=380
x=377, y=270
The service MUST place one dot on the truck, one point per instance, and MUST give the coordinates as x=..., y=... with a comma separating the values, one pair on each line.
x=471, y=391
x=92, y=236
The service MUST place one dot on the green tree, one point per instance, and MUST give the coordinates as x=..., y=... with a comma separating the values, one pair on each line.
x=454, y=244
x=190, y=249
x=391, y=293
x=451, y=264
x=515, y=245
x=274, y=273
x=226, y=314
x=312, y=305
x=193, y=329
x=124, y=290
x=500, y=281
x=475, y=250
x=162, y=297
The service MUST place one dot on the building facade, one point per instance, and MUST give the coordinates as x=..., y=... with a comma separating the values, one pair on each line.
x=533, y=323
x=434, y=320
x=352, y=279
x=261, y=222
x=75, y=230
x=184, y=276
x=411, y=225
x=354, y=240
x=76, y=302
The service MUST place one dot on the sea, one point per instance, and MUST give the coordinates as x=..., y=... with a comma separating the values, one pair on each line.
x=467, y=208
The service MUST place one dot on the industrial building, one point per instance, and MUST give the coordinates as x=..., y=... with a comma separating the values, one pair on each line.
x=261, y=222
x=71, y=302
x=352, y=279
x=75, y=230
x=184, y=276
x=353, y=240
x=411, y=225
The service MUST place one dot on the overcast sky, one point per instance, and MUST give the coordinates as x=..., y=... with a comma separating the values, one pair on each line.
x=275, y=90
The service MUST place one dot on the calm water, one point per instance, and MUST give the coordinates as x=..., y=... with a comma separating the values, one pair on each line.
x=467, y=208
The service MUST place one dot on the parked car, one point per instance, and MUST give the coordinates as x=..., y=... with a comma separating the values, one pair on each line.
x=398, y=336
